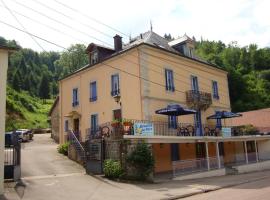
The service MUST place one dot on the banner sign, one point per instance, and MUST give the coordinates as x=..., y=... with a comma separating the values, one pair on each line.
x=144, y=129
x=226, y=132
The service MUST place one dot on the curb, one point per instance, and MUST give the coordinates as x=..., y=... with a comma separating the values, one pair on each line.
x=214, y=189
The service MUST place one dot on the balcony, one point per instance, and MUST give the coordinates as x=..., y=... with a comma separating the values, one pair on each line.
x=198, y=100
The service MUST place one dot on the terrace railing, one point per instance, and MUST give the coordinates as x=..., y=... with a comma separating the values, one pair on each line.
x=157, y=128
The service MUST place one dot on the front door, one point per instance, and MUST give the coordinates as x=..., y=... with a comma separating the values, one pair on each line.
x=117, y=114
x=76, y=127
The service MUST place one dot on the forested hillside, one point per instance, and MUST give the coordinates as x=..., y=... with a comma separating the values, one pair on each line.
x=248, y=68
x=33, y=82
x=33, y=76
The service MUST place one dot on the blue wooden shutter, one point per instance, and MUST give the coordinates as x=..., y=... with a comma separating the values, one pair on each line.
x=174, y=152
x=166, y=79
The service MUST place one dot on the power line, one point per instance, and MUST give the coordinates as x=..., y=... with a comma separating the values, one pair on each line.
x=69, y=17
x=5, y=5
x=131, y=74
x=50, y=27
x=91, y=18
x=59, y=22
x=14, y=27
x=112, y=46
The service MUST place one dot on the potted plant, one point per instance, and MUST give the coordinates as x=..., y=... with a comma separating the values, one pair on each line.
x=127, y=124
x=115, y=123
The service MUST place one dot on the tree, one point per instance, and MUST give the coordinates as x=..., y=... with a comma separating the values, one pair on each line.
x=44, y=88
x=74, y=58
x=16, y=82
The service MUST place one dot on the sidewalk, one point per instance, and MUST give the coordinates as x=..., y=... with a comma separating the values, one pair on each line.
x=88, y=187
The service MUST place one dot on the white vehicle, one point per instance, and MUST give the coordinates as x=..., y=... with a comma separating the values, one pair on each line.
x=23, y=134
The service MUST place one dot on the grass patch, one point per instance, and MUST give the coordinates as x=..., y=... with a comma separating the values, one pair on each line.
x=25, y=111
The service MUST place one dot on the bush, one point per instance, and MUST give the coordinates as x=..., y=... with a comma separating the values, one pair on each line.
x=112, y=169
x=141, y=161
x=63, y=148
x=249, y=130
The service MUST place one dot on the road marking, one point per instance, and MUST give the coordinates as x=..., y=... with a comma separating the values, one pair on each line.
x=52, y=176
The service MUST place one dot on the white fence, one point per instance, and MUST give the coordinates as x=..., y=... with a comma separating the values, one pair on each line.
x=195, y=165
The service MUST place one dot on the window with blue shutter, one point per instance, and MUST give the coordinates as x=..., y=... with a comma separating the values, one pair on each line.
x=75, y=97
x=194, y=84
x=93, y=91
x=172, y=121
x=115, y=88
x=215, y=89
x=169, y=80
x=66, y=125
x=94, y=123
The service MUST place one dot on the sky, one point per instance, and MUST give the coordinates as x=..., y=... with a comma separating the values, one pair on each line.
x=66, y=22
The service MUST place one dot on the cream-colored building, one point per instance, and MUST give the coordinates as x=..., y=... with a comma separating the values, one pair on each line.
x=145, y=75
x=4, y=51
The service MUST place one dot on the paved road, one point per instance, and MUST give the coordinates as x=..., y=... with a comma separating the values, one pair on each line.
x=40, y=158
x=257, y=190
x=49, y=175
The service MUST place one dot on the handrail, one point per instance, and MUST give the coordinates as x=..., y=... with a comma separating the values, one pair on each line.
x=76, y=139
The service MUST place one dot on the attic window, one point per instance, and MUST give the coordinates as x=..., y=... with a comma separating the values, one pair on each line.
x=93, y=57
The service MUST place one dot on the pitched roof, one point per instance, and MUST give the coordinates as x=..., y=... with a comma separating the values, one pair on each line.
x=8, y=48
x=258, y=118
x=180, y=40
x=151, y=38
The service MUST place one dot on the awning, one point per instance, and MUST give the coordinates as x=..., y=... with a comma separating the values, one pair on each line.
x=73, y=114
x=175, y=110
x=224, y=115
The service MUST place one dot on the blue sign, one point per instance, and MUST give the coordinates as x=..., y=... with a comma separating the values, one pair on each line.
x=143, y=129
x=226, y=132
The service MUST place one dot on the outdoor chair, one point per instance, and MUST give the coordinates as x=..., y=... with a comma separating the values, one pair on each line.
x=190, y=130
x=180, y=131
x=207, y=131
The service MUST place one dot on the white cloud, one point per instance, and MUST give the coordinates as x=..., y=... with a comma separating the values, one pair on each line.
x=245, y=21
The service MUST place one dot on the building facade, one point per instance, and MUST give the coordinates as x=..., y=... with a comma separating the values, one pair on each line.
x=54, y=119
x=134, y=81
x=4, y=51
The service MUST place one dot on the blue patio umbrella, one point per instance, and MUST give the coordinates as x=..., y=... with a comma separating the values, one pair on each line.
x=224, y=115
x=175, y=110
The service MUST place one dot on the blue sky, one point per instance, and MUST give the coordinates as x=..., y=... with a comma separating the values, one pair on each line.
x=244, y=21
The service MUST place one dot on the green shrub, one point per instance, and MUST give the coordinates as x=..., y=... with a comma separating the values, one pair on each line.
x=63, y=148
x=141, y=161
x=112, y=169
x=248, y=129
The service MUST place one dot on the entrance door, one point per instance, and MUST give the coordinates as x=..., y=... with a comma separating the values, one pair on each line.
x=117, y=114
x=76, y=127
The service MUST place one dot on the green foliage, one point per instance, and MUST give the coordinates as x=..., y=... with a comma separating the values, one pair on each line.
x=248, y=129
x=248, y=67
x=141, y=161
x=112, y=169
x=25, y=111
x=63, y=148
x=44, y=88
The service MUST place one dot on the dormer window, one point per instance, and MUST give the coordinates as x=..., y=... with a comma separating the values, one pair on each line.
x=93, y=57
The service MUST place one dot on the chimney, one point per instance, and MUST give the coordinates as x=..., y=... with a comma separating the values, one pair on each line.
x=117, y=43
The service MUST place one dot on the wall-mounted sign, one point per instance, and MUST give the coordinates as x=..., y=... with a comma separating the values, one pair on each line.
x=144, y=129
x=226, y=132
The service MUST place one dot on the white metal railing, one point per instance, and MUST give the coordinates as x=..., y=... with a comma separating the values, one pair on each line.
x=195, y=165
